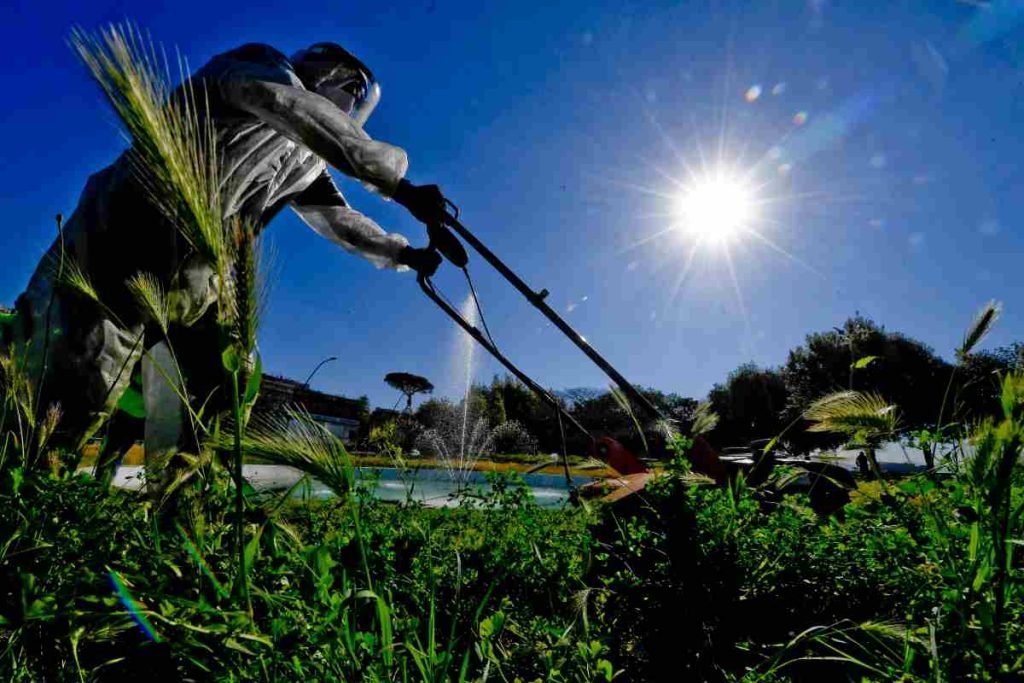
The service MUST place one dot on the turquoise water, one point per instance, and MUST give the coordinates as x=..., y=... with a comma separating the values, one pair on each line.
x=432, y=487
x=437, y=488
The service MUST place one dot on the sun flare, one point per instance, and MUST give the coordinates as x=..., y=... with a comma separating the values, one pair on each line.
x=716, y=209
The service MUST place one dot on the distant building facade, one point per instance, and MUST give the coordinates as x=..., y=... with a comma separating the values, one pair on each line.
x=339, y=415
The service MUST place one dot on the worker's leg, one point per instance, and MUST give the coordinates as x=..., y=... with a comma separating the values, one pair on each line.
x=164, y=397
x=188, y=367
x=75, y=356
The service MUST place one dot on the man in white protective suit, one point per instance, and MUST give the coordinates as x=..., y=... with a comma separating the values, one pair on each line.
x=279, y=124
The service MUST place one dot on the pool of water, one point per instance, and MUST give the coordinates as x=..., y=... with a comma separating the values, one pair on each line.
x=893, y=458
x=432, y=487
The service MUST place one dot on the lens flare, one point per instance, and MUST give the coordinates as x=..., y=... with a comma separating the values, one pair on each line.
x=132, y=606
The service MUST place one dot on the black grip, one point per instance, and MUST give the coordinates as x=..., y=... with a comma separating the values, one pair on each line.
x=442, y=239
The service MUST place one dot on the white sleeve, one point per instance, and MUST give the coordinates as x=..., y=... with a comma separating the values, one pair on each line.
x=355, y=233
x=317, y=123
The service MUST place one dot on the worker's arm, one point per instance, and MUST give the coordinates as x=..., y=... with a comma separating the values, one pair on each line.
x=323, y=208
x=278, y=98
x=258, y=80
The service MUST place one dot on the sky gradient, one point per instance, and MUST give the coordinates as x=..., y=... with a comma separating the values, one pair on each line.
x=884, y=137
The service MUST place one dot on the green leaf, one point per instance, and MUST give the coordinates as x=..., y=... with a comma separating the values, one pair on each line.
x=493, y=625
x=248, y=491
x=252, y=386
x=235, y=645
x=257, y=638
x=132, y=403
x=173, y=567
x=230, y=360
x=864, y=362
x=17, y=475
x=252, y=547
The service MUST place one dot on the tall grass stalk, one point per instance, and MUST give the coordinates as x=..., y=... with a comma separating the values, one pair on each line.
x=239, y=308
x=997, y=526
x=173, y=141
x=45, y=362
x=982, y=324
x=174, y=158
x=865, y=419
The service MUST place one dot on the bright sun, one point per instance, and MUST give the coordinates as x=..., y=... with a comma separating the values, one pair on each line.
x=716, y=209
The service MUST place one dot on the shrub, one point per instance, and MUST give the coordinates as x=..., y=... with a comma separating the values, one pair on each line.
x=512, y=438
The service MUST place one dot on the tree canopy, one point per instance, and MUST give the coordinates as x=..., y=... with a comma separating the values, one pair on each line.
x=864, y=356
x=756, y=402
x=409, y=384
x=749, y=405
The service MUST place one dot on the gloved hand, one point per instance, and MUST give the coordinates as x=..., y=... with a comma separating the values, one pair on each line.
x=423, y=261
x=424, y=202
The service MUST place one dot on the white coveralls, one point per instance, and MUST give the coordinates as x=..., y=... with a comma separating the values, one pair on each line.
x=275, y=139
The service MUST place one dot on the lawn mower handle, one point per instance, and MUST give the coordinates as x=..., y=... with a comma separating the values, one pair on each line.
x=428, y=288
x=450, y=247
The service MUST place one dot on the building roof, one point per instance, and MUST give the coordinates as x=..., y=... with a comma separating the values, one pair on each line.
x=278, y=392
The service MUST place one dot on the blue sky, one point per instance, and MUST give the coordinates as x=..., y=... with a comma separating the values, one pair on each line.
x=560, y=128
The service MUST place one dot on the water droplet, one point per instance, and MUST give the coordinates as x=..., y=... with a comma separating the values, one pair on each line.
x=753, y=92
x=778, y=88
x=799, y=118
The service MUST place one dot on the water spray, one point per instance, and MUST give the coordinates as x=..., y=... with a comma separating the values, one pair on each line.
x=444, y=242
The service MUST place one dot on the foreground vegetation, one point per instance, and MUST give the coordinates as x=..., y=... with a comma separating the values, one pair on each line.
x=918, y=579
x=692, y=580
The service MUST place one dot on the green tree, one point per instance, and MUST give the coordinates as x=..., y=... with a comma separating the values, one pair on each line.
x=980, y=381
x=508, y=399
x=602, y=414
x=749, y=404
x=409, y=385
x=430, y=411
x=863, y=354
